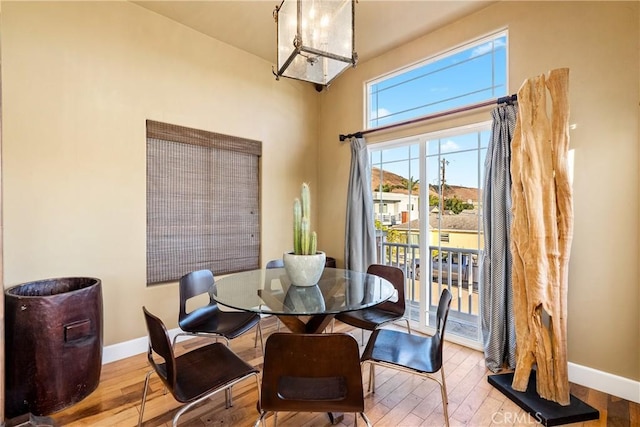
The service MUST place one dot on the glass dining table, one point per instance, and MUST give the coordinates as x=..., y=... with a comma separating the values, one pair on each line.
x=302, y=309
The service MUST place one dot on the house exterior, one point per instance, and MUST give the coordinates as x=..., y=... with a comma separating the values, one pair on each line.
x=79, y=79
x=452, y=230
x=395, y=208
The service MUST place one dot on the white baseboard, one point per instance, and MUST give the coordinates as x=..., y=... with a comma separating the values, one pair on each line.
x=132, y=347
x=582, y=375
x=603, y=381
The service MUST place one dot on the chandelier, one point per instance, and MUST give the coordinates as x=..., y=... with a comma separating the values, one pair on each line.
x=315, y=39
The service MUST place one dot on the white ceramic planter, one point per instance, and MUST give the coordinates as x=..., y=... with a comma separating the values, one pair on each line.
x=304, y=270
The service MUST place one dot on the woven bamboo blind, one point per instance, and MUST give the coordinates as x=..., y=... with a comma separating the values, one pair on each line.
x=203, y=202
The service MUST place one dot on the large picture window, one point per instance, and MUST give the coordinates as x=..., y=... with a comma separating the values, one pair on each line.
x=474, y=72
x=203, y=202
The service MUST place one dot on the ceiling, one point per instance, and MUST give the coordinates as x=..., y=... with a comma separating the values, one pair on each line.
x=381, y=25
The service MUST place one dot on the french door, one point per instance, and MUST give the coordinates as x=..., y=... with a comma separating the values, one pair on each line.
x=427, y=194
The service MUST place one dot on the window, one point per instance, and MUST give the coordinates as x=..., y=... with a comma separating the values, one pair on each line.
x=202, y=202
x=472, y=73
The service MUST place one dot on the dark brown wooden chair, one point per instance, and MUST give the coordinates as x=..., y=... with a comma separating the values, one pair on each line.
x=311, y=373
x=194, y=376
x=387, y=312
x=415, y=354
x=209, y=320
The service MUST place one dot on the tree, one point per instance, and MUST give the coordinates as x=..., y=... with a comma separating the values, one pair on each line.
x=387, y=188
x=408, y=184
x=456, y=205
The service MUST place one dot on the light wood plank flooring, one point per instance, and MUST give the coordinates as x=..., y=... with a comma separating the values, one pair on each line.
x=400, y=399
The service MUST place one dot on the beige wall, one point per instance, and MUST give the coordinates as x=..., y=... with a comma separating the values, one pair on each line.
x=79, y=80
x=599, y=42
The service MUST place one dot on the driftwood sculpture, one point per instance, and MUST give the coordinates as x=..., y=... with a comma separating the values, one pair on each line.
x=541, y=231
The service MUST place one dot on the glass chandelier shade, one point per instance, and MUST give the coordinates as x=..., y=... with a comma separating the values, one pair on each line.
x=315, y=39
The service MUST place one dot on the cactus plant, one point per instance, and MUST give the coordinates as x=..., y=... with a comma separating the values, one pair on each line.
x=305, y=241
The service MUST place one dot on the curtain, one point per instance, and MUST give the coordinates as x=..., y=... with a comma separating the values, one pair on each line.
x=498, y=328
x=360, y=241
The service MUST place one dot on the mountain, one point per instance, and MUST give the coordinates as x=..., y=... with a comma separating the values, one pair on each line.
x=382, y=177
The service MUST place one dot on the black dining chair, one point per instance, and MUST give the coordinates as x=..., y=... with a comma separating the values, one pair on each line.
x=194, y=376
x=416, y=354
x=276, y=263
x=389, y=311
x=311, y=373
x=208, y=320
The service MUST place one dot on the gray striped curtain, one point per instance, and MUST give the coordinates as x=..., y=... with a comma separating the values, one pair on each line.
x=498, y=327
x=360, y=238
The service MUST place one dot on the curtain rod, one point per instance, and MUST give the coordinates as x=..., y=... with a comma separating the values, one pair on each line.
x=505, y=99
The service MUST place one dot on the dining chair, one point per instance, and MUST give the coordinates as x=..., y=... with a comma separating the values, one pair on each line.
x=311, y=373
x=416, y=354
x=389, y=311
x=194, y=376
x=208, y=320
x=276, y=263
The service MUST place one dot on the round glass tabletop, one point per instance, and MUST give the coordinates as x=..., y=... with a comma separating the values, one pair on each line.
x=270, y=291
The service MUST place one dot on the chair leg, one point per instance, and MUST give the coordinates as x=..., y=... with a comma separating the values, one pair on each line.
x=408, y=326
x=445, y=399
x=255, y=339
x=333, y=322
x=444, y=385
x=372, y=378
x=260, y=420
x=259, y=332
x=364, y=417
x=175, y=338
x=144, y=397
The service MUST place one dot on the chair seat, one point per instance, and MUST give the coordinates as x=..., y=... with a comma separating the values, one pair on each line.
x=205, y=368
x=369, y=318
x=415, y=352
x=229, y=324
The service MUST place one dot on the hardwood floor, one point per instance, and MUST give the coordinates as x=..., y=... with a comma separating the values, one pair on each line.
x=400, y=399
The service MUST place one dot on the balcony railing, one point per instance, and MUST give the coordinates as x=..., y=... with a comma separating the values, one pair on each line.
x=456, y=269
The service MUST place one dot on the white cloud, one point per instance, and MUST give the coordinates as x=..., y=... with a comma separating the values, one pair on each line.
x=380, y=113
x=487, y=47
x=449, y=145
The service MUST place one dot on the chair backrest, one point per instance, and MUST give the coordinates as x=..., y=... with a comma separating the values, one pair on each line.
x=191, y=285
x=160, y=345
x=443, y=312
x=312, y=373
x=396, y=276
x=441, y=322
x=275, y=263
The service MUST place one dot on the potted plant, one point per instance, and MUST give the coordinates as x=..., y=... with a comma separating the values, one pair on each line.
x=304, y=265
